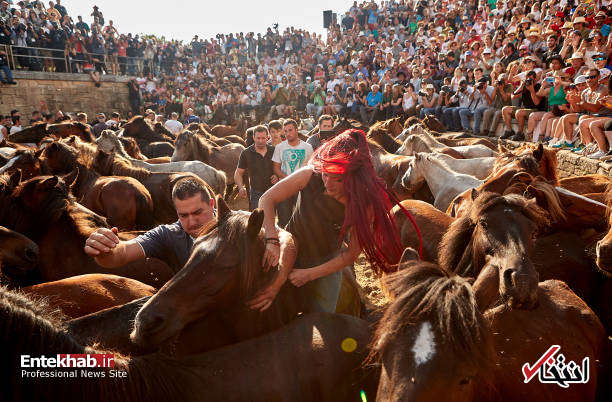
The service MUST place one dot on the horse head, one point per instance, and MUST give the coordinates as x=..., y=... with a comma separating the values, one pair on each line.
x=432, y=339
x=224, y=269
x=499, y=230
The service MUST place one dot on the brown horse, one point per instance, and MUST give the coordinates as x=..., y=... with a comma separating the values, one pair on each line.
x=18, y=256
x=35, y=133
x=27, y=161
x=200, y=129
x=390, y=168
x=604, y=246
x=131, y=147
x=525, y=163
x=85, y=294
x=124, y=201
x=432, y=224
x=43, y=209
x=501, y=227
x=159, y=185
x=587, y=184
x=221, y=130
x=152, y=139
x=224, y=271
x=190, y=146
x=383, y=137
x=433, y=340
x=31, y=135
x=266, y=365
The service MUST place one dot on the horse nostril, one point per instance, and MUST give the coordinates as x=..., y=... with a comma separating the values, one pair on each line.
x=508, y=276
x=152, y=324
x=31, y=254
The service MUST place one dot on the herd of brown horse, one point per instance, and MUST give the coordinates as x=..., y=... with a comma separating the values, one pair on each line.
x=514, y=260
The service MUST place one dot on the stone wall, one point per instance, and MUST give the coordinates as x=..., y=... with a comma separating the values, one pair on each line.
x=570, y=164
x=70, y=93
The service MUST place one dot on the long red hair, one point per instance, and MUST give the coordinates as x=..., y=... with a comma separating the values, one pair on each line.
x=348, y=154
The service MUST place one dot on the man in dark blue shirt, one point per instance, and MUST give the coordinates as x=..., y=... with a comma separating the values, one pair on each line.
x=172, y=243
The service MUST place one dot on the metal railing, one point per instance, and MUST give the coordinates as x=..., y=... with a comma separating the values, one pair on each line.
x=29, y=58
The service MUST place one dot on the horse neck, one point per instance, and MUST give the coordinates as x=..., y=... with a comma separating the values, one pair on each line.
x=431, y=141
x=122, y=169
x=435, y=173
x=84, y=180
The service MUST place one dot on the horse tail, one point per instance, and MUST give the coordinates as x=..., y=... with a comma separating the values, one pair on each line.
x=144, y=212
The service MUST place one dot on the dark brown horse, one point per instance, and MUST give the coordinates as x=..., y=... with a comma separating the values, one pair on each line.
x=498, y=226
x=433, y=340
x=35, y=133
x=124, y=201
x=43, y=209
x=85, y=294
x=159, y=185
x=223, y=273
x=18, y=256
x=152, y=139
x=266, y=366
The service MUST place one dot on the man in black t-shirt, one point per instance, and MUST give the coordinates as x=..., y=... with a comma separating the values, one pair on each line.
x=530, y=103
x=257, y=159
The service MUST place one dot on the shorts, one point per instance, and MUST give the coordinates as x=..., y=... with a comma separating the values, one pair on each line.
x=516, y=109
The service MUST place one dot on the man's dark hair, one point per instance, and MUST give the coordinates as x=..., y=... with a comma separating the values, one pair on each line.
x=14, y=112
x=260, y=129
x=15, y=119
x=275, y=124
x=290, y=122
x=115, y=114
x=325, y=117
x=191, y=186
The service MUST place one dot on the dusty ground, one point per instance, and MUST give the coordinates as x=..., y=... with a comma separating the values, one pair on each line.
x=371, y=292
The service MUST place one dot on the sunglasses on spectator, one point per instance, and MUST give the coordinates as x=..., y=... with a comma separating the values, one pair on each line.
x=591, y=77
x=599, y=58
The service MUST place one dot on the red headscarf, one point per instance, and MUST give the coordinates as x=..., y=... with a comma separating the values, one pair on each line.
x=348, y=154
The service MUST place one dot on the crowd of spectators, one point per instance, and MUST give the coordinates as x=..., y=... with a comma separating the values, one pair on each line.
x=474, y=64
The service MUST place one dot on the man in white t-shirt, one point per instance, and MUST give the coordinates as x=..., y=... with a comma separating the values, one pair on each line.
x=289, y=156
x=173, y=124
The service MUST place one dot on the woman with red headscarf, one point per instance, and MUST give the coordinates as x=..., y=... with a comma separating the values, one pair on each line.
x=340, y=197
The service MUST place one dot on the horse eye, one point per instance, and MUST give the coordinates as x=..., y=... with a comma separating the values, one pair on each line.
x=465, y=381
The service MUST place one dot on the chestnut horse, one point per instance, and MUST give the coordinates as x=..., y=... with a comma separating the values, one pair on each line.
x=124, y=201
x=85, y=294
x=152, y=139
x=159, y=185
x=390, y=167
x=43, y=209
x=18, y=256
x=27, y=161
x=382, y=136
x=435, y=341
x=498, y=226
x=604, y=246
x=266, y=366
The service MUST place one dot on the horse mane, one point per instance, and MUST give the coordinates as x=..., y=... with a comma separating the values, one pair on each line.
x=418, y=144
x=200, y=147
x=380, y=134
x=553, y=203
x=426, y=292
x=86, y=131
x=411, y=121
x=456, y=252
x=127, y=144
x=114, y=165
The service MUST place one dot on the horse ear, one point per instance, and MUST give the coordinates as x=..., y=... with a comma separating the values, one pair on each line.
x=70, y=178
x=501, y=148
x=15, y=178
x=538, y=153
x=473, y=194
x=486, y=287
x=72, y=139
x=255, y=222
x=48, y=183
x=408, y=255
x=222, y=208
